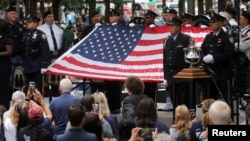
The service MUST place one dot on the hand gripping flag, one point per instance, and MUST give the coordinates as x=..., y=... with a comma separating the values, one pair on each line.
x=115, y=52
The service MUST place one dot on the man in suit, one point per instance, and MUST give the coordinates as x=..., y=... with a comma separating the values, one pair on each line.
x=173, y=60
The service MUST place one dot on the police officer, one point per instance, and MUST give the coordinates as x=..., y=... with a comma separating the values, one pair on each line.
x=113, y=88
x=187, y=19
x=36, y=50
x=174, y=62
x=217, y=53
x=16, y=29
x=151, y=88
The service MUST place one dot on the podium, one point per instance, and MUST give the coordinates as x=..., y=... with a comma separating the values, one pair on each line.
x=192, y=76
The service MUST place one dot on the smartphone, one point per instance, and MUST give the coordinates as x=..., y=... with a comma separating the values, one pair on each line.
x=146, y=132
x=95, y=107
x=192, y=113
x=32, y=86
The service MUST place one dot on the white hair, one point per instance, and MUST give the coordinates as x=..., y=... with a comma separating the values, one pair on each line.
x=220, y=113
x=66, y=85
x=18, y=95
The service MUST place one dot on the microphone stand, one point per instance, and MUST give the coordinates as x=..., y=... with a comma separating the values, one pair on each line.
x=212, y=74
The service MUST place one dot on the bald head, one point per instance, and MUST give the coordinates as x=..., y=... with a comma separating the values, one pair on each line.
x=66, y=85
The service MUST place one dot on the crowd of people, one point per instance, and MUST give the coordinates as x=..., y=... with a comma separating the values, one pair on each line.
x=26, y=52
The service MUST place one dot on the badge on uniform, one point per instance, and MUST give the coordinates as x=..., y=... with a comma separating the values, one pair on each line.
x=179, y=46
x=44, y=36
x=219, y=41
x=34, y=36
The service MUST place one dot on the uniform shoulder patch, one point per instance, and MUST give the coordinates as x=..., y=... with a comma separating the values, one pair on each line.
x=44, y=36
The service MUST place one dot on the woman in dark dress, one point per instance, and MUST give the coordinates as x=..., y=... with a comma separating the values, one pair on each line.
x=6, y=49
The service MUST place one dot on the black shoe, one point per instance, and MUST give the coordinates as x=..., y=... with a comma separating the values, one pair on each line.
x=116, y=111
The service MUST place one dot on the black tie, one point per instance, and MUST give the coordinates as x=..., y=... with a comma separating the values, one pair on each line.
x=171, y=42
x=53, y=38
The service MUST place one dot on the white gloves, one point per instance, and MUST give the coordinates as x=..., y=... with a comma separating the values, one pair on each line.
x=208, y=59
x=131, y=24
x=152, y=26
x=43, y=70
x=98, y=24
x=188, y=25
x=114, y=24
x=165, y=83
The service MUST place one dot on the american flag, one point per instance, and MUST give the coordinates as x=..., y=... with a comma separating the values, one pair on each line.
x=115, y=52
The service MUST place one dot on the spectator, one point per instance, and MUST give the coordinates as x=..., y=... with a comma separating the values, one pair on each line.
x=34, y=131
x=93, y=124
x=76, y=115
x=219, y=113
x=135, y=88
x=125, y=128
x=146, y=116
x=182, y=123
x=16, y=97
x=2, y=111
x=88, y=101
x=60, y=106
x=104, y=110
x=197, y=126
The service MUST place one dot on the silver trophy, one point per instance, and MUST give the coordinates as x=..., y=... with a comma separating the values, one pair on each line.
x=192, y=54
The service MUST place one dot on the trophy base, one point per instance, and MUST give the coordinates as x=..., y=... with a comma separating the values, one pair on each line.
x=192, y=73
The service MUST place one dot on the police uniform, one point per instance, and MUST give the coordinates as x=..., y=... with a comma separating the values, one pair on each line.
x=58, y=33
x=36, y=50
x=16, y=31
x=151, y=88
x=113, y=88
x=5, y=64
x=173, y=62
x=242, y=84
x=217, y=53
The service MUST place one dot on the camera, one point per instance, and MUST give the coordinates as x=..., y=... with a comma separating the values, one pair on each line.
x=32, y=86
x=146, y=132
x=95, y=107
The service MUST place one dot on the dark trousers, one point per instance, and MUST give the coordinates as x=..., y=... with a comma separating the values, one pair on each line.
x=113, y=94
x=181, y=93
x=36, y=77
x=5, y=94
x=151, y=90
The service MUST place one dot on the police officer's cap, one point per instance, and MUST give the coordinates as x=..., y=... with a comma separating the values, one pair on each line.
x=186, y=16
x=11, y=9
x=92, y=14
x=166, y=9
x=215, y=17
x=150, y=14
x=201, y=20
x=114, y=12
x=46, y=13
x=231, y=10
x=175, y=21
x=246, y=15
x=32, y=18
